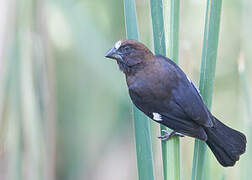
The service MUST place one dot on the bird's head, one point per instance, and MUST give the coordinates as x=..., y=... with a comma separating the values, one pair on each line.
x=130, y=55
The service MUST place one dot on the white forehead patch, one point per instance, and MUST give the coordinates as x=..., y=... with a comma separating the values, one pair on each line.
x=118, y=44
x=157, y=116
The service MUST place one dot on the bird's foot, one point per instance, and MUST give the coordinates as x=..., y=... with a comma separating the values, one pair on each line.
x=169, y=135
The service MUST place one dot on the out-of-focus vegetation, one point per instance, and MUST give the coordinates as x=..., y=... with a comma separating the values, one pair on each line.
x=64, y=108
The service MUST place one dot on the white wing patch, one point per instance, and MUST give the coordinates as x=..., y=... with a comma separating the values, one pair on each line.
x=157, y=117
x=118, y=44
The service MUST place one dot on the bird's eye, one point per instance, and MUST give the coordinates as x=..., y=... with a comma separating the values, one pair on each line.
x=125, y=49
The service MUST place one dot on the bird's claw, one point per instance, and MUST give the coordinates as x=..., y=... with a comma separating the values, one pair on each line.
x=169, y=135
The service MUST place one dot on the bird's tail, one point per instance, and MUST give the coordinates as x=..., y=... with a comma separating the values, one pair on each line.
x=226, y=143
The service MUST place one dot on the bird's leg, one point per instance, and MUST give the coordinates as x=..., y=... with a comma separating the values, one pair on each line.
x=168, y=135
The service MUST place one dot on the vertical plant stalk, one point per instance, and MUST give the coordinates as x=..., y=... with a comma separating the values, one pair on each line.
x=172, y=51
x=5, y=29
x=12, y=111
x=208, y=64
x=159, y=48
x=33, y=135
x=173, y=146
x=245, y=91
x=46, y=74
x=141, y=123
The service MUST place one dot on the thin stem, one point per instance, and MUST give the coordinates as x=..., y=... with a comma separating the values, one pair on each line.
x=159, y=47
x=141, y=123
x=172, y=51
x=208, y=64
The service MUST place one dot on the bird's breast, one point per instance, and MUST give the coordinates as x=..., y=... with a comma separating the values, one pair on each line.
x=149, y=88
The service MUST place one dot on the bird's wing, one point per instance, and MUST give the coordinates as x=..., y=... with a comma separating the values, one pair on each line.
x=169, y=114
x=185, y=126
x=186, y=95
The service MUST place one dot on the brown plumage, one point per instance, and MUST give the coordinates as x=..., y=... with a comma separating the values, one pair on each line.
x=160, y=89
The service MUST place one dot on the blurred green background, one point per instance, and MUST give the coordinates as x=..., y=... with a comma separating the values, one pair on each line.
x=65, y=112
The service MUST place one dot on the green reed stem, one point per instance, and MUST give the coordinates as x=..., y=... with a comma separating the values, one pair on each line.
x=171, y=13
x=141, y=123
x=208, y=64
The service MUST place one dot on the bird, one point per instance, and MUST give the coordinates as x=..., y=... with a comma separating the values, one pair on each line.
x=161, y=90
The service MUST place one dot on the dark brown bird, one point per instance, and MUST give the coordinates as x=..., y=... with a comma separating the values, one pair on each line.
x=160, y=89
